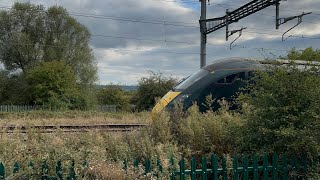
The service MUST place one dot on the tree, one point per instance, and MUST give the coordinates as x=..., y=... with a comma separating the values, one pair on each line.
x=13, y=89
x=53, y=84
x=30, y=34
x=282, y=111
x=309, y=54
x=113, y=95
x=154, y=86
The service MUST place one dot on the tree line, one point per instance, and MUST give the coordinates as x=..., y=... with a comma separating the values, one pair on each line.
x=47, y=61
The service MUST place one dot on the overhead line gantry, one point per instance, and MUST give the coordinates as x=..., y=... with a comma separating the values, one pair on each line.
x=208, y=26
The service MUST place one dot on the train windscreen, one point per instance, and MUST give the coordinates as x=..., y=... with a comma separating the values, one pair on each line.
x=191, y=80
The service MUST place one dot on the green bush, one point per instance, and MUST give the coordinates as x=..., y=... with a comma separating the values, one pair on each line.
x=282, y=112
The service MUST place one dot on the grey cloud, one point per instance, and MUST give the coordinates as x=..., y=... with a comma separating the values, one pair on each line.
x=129, y=68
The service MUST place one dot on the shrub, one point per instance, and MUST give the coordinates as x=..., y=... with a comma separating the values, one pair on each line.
x=282, y=112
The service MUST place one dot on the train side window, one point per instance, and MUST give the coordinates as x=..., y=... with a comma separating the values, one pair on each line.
x=231, y=78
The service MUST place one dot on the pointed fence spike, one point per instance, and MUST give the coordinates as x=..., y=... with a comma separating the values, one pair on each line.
x=294, y=173
x=224, y=169
x=16, y=167
x=182, y=169
x=136, y=165
x=159, y=165
x=204, y=175
x=59, y=170
x=72, y=172
x=255, y=167
x=235, y=168
x=284, y=166
x=265, y=167
x=147, y=167
x=2, y=171
x=193, y=169
x=214, y=164
x=125, y=166
x=275, y=166
x=245, y=167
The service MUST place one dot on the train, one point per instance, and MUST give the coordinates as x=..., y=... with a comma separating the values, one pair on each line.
x=221, y=79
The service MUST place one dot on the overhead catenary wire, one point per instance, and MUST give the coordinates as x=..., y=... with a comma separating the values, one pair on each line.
x=156, y=22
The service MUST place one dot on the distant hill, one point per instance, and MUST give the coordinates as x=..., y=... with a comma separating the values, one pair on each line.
x=130, y=88
x=125, y=88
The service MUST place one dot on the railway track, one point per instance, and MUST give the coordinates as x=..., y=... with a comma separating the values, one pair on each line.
x=73, y=128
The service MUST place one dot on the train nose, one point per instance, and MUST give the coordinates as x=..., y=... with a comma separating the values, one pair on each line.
x=163, y=103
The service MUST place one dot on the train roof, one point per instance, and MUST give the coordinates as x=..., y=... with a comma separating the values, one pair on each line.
x=247, y=63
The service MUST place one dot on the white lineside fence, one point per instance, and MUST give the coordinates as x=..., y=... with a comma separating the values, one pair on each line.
x=26, y=108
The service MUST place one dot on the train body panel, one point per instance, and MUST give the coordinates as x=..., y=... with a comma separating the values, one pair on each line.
x=221, y=79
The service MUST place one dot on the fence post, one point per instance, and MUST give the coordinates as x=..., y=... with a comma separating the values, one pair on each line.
x=159, y=165
x=284, y=166
x=235, y=168
x=224, y=169
x=72, y=173
x=44, y=170
x=59, y=170
x=16, y=167
x=193, y=169
x=255, y=168
x=304, y=164
x=136, y=165
x=204, y=168
x=265, y=167
x=214, y=164
x=171, y=168
x=275, y=166
x=294, y=166
x=125, y=166
x=182, y=169
x=245, y=167
x=2, y=171
x=147, y=167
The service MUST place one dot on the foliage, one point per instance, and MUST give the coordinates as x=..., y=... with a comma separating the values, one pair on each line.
x=113, y=95
x=282, y=111
x=154, y=86
x=309, y=54
x=30, y=34
x=53, y=84
x=13, y=89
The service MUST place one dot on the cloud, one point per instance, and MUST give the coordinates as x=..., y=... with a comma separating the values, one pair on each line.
x=163, y=35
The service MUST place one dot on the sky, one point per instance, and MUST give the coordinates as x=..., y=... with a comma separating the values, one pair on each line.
x=130, y=38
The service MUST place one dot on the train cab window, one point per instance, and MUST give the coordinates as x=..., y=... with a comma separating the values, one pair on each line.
x=231, y=78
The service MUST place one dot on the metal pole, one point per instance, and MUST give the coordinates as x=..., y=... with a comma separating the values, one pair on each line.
x=203, y=36
x=277, y=15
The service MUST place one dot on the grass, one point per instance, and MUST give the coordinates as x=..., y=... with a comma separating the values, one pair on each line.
x=71, y=118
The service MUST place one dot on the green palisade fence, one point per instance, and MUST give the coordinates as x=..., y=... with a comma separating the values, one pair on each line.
x=243, y=167
x=59, y=174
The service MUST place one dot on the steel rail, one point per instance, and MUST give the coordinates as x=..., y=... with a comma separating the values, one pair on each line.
x=72, y=128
